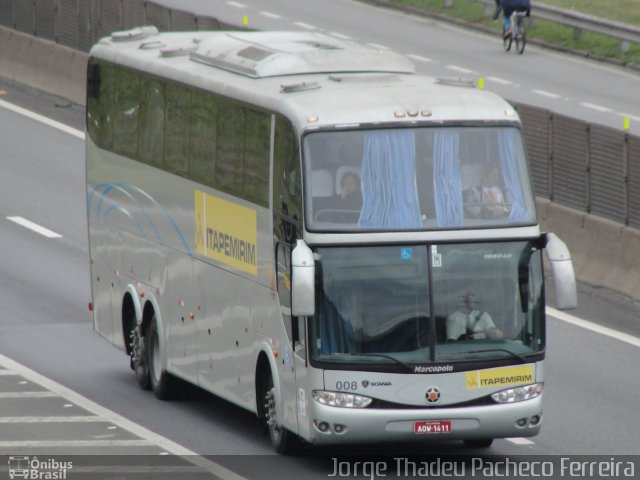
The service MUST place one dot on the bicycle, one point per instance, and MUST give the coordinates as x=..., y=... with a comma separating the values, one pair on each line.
x=518, y=32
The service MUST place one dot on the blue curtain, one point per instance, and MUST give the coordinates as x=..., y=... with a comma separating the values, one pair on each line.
x=389, y=195
x=447, y=181
x=336, y=331
x=508, y=156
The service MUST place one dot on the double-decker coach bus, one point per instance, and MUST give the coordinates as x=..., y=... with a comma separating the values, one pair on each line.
x=305, y=227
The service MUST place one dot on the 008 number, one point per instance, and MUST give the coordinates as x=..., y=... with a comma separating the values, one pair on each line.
x=346, y=385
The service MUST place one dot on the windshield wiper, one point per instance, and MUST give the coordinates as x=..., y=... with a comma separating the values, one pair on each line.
x=513, y=354
x=398, y=361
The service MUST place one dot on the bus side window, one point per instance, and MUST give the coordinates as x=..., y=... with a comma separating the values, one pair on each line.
x=287, y=198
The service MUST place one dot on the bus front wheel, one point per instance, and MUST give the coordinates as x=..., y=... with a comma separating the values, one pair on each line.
x=282, y=440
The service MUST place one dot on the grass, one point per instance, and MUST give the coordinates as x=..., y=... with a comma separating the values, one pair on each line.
x=626, y=11
x=591, y=44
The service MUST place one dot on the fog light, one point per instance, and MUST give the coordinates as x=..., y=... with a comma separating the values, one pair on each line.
x=339, y=428
x=522, y=422
x=321, y=426
x=535, y=420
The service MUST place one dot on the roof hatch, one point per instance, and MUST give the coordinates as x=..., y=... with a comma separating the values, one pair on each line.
x=269, y=54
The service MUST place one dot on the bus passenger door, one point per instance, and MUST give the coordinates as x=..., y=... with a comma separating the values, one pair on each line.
x=290, y=366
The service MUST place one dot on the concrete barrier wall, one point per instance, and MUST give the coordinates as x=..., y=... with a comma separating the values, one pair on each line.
x=43, y=65
x=604, y=252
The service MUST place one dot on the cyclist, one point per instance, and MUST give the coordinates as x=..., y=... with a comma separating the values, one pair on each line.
x=508, y=7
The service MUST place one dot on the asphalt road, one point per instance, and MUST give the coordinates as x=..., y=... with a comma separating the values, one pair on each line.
x=46, y=339
x=591, y=391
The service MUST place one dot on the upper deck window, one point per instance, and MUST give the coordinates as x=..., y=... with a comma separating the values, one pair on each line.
x=416, y=179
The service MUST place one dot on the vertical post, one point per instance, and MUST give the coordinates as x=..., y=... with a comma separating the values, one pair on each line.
x=447, y=3
x=588, y=171
x=577, y=33
x=34, y=32
x=56, y=21
x=121, y=14
x=144, y=12
x=550, y=159
x=625, y=167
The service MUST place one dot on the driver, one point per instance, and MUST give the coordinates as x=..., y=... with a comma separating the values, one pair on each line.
x=470, y=323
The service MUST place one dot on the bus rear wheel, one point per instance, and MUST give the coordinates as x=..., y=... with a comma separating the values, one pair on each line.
x=282, y=440
x=139, y=358
x=162, y=382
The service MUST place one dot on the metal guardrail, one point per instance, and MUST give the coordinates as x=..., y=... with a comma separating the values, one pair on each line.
x=580, y=22
x=78, y=24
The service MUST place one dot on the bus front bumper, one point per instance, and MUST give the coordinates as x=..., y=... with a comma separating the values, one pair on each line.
x=334, y=425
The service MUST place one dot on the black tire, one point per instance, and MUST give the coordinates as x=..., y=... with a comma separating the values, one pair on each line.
x=521, y=41
x=139, y=359
x=282, y=440
x=162, y=383
x=478, y=443
x=507, y=40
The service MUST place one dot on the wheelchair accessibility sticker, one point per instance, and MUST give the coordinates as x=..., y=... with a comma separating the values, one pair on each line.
x=406, y=253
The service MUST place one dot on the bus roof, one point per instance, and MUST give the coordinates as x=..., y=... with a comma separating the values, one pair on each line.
x=314, y=79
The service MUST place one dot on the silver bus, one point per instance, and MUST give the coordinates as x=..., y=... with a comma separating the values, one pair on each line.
x=305, y=227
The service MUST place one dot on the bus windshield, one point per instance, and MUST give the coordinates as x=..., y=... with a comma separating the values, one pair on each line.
x=416, y=179
x=406, y=305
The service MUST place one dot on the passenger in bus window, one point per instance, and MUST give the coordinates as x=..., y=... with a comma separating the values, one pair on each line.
x=487, y=200
x=470, y=323
x=350, y=196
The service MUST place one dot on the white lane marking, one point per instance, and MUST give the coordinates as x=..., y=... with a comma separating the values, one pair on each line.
x=499, y=80
x=544, y=93
x=27, y=394
x=147, y=435
x=340, y=35
x=134, y=471
x=520, y=441
x=594, y=327
x=42, y=119
x=419, y=58
x=75, y=443
x=34, y=227
x=236, y=4
x=270, y=15
x=378, y=46
x=305, y=25
x=595, y=107
x=456, y=68
x=59, y=419
x=635, y=118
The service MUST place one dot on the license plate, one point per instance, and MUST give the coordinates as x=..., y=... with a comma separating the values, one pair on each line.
x=424, y=427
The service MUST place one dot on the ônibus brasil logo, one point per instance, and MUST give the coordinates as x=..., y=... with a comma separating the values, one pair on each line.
x=38, y=469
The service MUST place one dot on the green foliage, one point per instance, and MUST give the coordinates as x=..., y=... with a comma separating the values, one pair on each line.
x=627, y=11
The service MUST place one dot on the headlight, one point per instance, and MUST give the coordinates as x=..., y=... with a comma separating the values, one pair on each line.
x=518, y=394
x=336, y=399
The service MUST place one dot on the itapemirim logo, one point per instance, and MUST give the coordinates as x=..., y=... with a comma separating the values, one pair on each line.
x=33, y=468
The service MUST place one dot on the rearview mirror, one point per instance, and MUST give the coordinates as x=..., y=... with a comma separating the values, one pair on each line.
x=302, y=281
x=564, y=277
